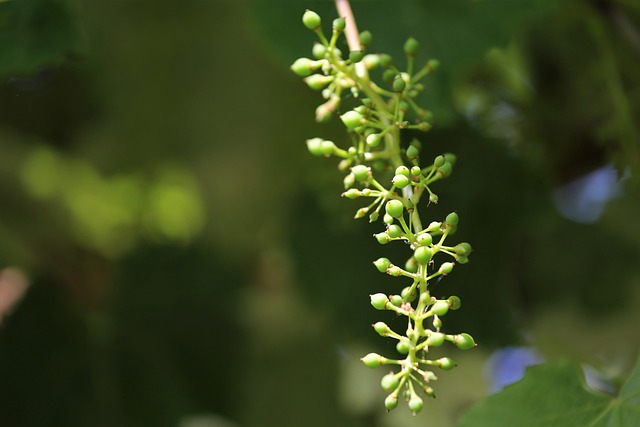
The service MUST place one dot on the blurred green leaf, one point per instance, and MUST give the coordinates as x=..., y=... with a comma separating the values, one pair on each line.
x=35, y=33
x=555, y=394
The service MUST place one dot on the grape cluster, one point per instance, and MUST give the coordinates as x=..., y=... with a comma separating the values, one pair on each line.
x=378, y=169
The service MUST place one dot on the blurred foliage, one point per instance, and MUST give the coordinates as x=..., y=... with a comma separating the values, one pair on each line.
x=191, y=263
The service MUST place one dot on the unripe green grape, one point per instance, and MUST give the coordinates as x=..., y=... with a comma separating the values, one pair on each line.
x=394, y=231
x=454, y=302
x=446, y=268
x=403, y=346
x=452, y=219
x=400, y=181
x=374, y=216
x=389, y=382
x=313, y=145
x=415, y=171
x=425, y=298
x=439, y=161
x=440, y=308
x=382, y=238
x=394, y=208
x=436, y=339
x=382, y=264
x=462, y=259
x=391, y=402
x=311, y=20
x=360, y=213
x=365, y=38
x=398, y=84
x=433, y=226
x=409, y=294
x=319, y=51
x=387, y=219
x=327, y=148
x=385, y=60
x=416, y=404
x=412, y=152
x=424, y=239
x=339, y=24
x=402, y=170
x=356, y=56
x=411, y=46
x=396, y=300
x=304, y=66
x=423, y=255
x=318, y=81
x=437, y=322
x=351, y=119
x=379, y=301
x=446, y=363
x=381, y=328
x=464, y=341
x=374, y=139
x=361, y=172
x=433, y=198
x=374, y=360
x=411, y=265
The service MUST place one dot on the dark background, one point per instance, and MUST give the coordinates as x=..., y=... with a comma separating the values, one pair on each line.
x=190, y=264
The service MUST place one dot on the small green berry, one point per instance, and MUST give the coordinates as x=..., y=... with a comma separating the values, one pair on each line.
x=394, y=208
x=437, y=322
x=450, y=158
x=387, y=219
x=438, y=161
x=381, y=328
x=352, y=193
x=452, y=219
x=351, y=119
x=349, y=180
x=436, y=339
x=319, y=51
x=411, y=265
x=394, y=231
x=361, y=172
x=339, y=24
x=356, y=56
x=388, y=75
x=446, y=363
x=374, y=216
x=463, y=249
x=424, y=239
x=415, y=404
x=440, y=308
x=409, y=293
x=382, y=264
x=304, y=66
x=327, y=148
x=462, y=259
x=396, y=300
x=365, y=39
x=444, y=170
x=433, y=63
x=403, y=346
x=446, y=268
x=395, y=271
x=412, y=153
x=379, y=301
x=400, y=181
x=402, y=170
x=313, y=145
x=454, y=302
x=391, y=402
x=374, y=139
x=398, y=84
x=422, y=255
x=382, y=238
x=385, y=60
x=411, y=46
x=415, y=171
x=464, y=341
x=374, y=360
x=433, y=198
x=318, y=81
x=389, y=382
x=311, y=20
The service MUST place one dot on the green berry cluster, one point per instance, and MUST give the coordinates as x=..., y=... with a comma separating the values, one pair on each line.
x=379, y=169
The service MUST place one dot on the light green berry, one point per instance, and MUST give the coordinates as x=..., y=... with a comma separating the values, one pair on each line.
x=379, y=301
x=389, y=382
x=436, y=339
x=361, y=172
x=464, y=341
x=351, y=119
x=394, y=208
x=311, y=20
x=440, y=308
x=422, y=254
x=446, y=363
x=415, y=404
x=400, y=181
x=374, y=360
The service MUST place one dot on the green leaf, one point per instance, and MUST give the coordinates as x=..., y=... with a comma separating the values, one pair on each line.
x=555, y=394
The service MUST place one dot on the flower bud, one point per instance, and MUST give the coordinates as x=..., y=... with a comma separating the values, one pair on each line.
x=411, y=265
x=387, y=219
x=356, y=56
x=440, y=308
x=409, y=293
x=424, y=239
x=394, y=231
x=422, y=254
x=389, y=382
x=381, y=328
x=313, y=145
x=412, y=153
x=452, y=219
x=352, y=193
x=374, y=139
x=351, y=119
x=415, y=404
x=379, y=301
x=394, y=208
x=391, y=402
x=382, y=238
x=433, y=198
x=444, y=170
x=388, y=75
x=438, y=161
x=436, y=339
x=318, y=81
x=446, y=268
x=400, y=181
x=396, y=300
x=374, y=360
x=403, y=346
x=327, y=148
x=463, y=249
x=464, y=341
x=437, y=323
x=365, y=39
x=311, y=20
x=411, y=46
x=382, y=264
x=434, y=226
x=339, y=24
x=319, y=51
x=462, y=259
x=304, y=66
x=450, y=158
x=395, y=271
x=398, y=84
x=361, y=172
x=374, y=216
x=454, y=302
x=446, y=363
